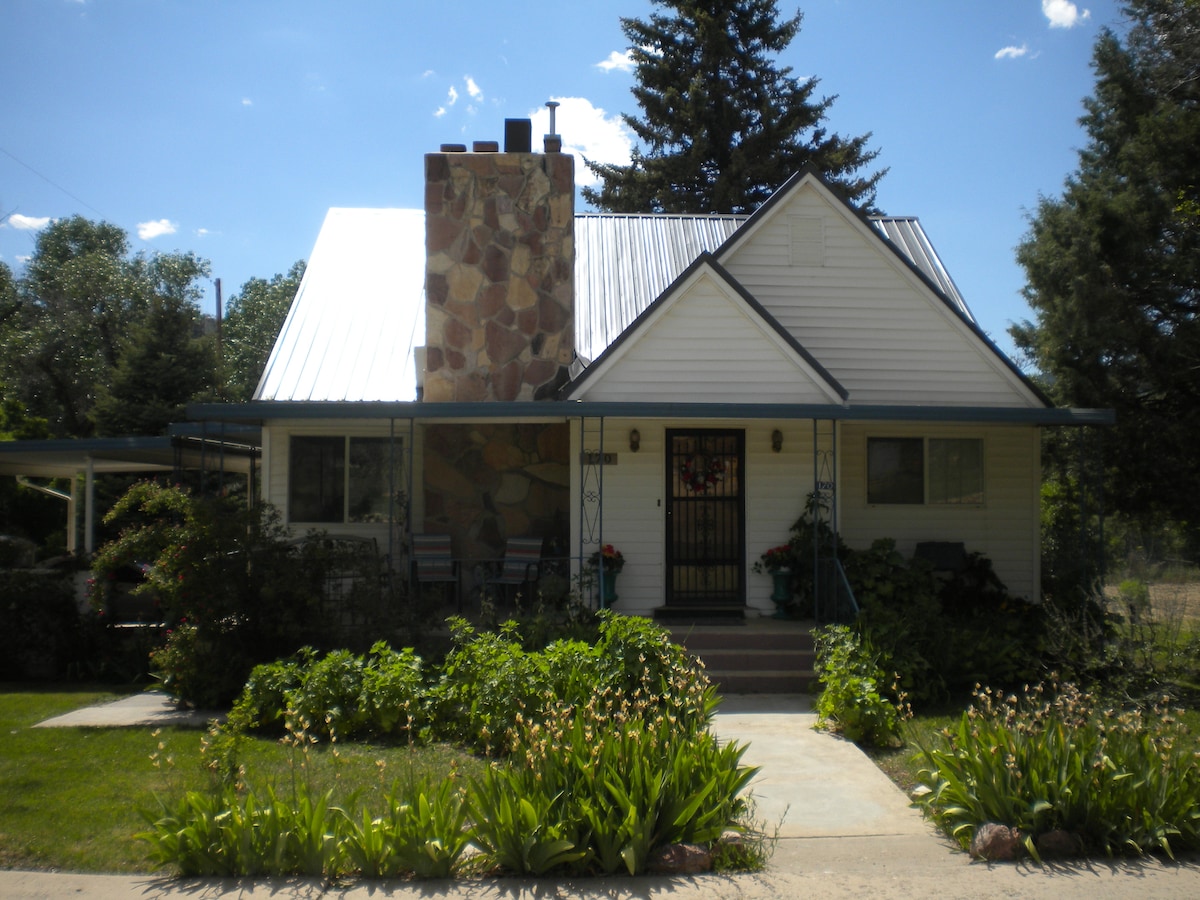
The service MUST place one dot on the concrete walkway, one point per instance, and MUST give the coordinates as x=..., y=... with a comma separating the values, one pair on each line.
x=844, y=829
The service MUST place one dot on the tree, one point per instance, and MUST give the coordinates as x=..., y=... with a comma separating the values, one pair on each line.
x=78, y=302
x=722, y=126
x=163, y=365
x=1113, y=266
x=255, y=316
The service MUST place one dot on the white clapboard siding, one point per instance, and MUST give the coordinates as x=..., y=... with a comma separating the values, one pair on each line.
x=635, y=497
x=704, y=342
x=869, y=320
x=1005, y=528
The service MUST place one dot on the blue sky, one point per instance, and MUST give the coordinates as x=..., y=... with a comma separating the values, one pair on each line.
x=228, y=127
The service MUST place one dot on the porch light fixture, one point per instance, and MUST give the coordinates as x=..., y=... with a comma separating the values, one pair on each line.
x=776, y=440
x=635, y=440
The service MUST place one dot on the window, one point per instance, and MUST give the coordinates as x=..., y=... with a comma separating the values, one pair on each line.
x=343, y=479
x=936, y=471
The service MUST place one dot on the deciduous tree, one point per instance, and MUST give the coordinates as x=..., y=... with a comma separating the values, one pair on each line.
x=256, y=314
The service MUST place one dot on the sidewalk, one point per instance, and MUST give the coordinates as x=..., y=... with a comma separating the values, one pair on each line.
x=845, y=831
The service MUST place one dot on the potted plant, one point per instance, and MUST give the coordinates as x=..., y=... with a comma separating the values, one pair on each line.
x=613, y=562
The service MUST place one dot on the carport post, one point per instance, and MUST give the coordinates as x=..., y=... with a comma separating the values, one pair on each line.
x=89, y=508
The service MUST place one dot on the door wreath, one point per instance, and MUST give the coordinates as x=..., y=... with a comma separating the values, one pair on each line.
x=700, y=474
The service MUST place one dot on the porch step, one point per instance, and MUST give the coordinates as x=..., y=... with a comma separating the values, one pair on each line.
x=761, y=656
x=684, y=616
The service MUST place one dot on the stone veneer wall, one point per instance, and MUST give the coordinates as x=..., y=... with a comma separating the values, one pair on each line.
x=488, y=482
x=499, y=276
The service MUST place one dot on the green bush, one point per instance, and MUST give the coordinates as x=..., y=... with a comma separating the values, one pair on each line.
x=853, y=700
x=40, y=624
x=609, y=757
x=488, y=680
x=943, y=634
x=247, y=592
x=341, y=694
x=1122, y=781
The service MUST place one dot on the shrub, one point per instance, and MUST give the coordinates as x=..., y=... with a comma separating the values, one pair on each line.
x=853, y=700
x=234, y=575
x=40, y=624
x=340, y=694
x=610, y=757
x=943, y=634
x=1051, y=759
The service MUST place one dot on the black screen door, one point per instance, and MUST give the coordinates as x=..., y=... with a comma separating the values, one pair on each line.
x=705, y=515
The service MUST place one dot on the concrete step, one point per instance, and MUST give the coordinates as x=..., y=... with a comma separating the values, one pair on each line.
x=757, y=656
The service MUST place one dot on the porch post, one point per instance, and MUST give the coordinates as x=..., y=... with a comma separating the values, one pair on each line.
x=600, y=518
x=89, y=507
x=814, y=511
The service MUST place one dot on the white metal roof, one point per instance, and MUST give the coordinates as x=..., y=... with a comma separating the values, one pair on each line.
x=359, y=315
x=910, y=239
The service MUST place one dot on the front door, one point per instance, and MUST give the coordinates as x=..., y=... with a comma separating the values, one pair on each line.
x=705, y=514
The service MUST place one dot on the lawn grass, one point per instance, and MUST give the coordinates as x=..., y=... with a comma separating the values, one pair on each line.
x=74, y=797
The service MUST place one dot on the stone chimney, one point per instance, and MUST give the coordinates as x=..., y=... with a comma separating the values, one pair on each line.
x=499, y=270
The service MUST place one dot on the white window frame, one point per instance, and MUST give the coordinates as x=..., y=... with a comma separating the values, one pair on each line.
x=927, y=472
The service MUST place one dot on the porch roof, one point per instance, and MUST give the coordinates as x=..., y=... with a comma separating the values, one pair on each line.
x=66, y=457
x=259, y=412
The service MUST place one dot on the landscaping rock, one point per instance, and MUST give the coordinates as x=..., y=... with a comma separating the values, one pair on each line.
x=1058, y=844
x=679, y=859
x=996, y=843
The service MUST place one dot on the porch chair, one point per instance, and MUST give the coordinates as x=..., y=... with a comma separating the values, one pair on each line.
x=433, y=562
x=522, y=565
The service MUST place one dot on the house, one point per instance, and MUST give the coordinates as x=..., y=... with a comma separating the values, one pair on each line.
x=497, y=365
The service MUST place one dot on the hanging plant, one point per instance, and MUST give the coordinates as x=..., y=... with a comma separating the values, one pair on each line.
x=700, y=474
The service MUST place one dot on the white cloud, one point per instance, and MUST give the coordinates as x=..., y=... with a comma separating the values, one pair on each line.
x=149, y=230
x=587, y=131
x=1012, y=52
x=472, y=90
x=27, y=223
x=1064, y=13
x=246, y=101
x=22, y=259
x=622, y=62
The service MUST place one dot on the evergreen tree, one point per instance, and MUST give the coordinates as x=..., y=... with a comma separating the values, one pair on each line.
x=722, y=127
x=164, y=365
x=1113, y=266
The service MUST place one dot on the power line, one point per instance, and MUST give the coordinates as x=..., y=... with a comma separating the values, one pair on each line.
x=52, y=183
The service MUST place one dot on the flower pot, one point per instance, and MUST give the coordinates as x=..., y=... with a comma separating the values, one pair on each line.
x=609, y=594
x=781, y=594
x=781, y=581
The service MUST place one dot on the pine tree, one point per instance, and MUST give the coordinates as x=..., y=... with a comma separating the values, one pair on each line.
x=1113, y=266
x=164, y=365
x=722, y=127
